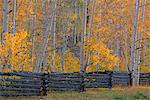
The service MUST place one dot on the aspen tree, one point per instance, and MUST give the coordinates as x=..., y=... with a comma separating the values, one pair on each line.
x=84, y=20
x=13, y=16
x=133, y=67
x=5, y=18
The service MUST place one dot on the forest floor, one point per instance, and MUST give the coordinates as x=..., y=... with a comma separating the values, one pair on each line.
x=140, y=93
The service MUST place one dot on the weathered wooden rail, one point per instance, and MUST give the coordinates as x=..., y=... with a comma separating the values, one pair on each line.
x=20, y=84
x=65, y=81
x=30, y=84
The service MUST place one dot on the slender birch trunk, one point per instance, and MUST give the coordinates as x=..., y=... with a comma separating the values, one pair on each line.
x=46, y=32
x=133, y=68
x=62, y=59
x=126, y=52
x=139, y=45
x=33, y=27
x=43, y=47
x=64, y=48
x=53, y=36
x=13, y=22
x=84, y=20
x=87, y=56
x=75, y=24
x=142, y=18
x=5, y=22
x=91, y=18
x=13, y=16
x=5, y=18
x=118, y=53
x=138, y=57
x=32, y=38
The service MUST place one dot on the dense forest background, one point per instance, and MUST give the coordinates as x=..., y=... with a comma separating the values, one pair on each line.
x=75, y=35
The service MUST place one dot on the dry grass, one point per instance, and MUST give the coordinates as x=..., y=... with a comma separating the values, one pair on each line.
x=143, y=93
x=139, y=93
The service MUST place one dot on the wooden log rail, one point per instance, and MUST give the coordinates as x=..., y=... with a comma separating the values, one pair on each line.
x=38, y=84
x=65, y=81
x=20, y=83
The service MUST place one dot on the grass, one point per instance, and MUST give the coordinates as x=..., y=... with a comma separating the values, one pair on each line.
x=140, y=93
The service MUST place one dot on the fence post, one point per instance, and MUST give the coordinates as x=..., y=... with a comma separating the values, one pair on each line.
x=44, y=84
x=110, y=79
x=82, y=87
x=130, y=76
x=47, y=82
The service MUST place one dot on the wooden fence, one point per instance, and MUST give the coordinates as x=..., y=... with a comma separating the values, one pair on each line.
x=97, y=80
x=145, y=78
x=81, y=81
x=65, y=81
x=121, y=78
x=21, y=84
x=29, y=84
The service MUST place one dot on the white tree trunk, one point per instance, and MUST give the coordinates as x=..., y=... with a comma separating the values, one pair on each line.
x=118, y=53
x=43, y=47
x=53, y=37
x=46, y=32
x=91, y=18
x=126, y=51
x=84, y=20
x=75, y=25
x=5, y=19
x=33, y=27
x=139, y=45
x=13, y=16
x=133, y=68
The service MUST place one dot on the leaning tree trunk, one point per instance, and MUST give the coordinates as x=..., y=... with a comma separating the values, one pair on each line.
x=46, y=32
x=43, y=47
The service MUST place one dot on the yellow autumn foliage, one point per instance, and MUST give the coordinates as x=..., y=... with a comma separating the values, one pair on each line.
x=15, y=53
x=71, y=63
x=99, y=54
x=144, y=68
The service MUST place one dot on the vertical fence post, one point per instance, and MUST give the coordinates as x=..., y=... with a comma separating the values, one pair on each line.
x=82, y=87
x=110, y=73
x=44, y=84
x=47, y=82
x=130, y=76
x=110, y=79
